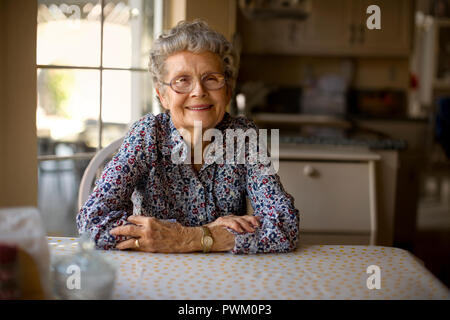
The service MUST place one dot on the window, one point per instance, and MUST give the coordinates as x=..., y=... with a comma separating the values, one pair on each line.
x=93, y=82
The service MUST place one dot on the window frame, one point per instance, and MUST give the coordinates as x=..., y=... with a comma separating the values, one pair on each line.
x=157, y=29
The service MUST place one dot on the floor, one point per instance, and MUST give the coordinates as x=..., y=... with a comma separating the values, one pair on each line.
x=432, y=240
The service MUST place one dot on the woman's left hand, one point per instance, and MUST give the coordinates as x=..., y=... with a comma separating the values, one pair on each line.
x=241, y=224
x=154, y=235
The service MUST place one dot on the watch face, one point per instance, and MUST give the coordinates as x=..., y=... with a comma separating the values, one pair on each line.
x=208, y=241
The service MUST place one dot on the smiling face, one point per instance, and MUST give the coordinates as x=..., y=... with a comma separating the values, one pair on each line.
x=200, y=104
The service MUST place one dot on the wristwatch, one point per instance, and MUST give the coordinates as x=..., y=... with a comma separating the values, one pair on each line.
x=207, y=239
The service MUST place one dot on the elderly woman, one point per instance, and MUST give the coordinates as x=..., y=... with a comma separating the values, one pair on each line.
x=145, y=201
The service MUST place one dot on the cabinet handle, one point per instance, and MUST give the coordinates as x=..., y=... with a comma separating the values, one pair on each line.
x=309, y=171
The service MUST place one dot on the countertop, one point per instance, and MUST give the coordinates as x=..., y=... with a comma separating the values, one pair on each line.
x=324, y=152
x=379, y=141
x=372, y=144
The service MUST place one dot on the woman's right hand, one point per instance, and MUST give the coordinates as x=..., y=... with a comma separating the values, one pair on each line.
x=239, y=224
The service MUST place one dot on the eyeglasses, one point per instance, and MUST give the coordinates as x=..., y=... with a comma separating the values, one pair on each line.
x=185, y=84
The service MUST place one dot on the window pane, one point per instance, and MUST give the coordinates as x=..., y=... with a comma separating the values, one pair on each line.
x=68, y=109
x=127, y=33
x=68, y=32
x=58, y=192
x=127, y=95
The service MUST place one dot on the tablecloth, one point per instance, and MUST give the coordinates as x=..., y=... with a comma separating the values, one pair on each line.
x=310, y=272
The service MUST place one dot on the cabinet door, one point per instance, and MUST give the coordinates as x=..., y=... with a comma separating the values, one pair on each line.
x=394, y=36
x=332, y=197
x=271, y=36
x=326, y=31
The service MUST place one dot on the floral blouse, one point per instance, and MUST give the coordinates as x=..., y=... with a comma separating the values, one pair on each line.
x=142, y=179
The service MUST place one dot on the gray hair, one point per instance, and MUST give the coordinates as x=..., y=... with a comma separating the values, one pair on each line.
x=196, y=37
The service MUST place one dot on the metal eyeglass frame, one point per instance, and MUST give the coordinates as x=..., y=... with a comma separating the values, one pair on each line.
x=201, y=81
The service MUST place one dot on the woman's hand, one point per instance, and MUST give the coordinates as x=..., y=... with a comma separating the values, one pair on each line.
x=239, y=224
x=155, y=235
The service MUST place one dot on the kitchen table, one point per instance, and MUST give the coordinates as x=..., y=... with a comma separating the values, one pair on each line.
x=310, y=272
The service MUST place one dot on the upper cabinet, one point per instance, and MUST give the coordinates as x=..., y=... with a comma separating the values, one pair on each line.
x=327, y=29
x=334, y=27
x=394, y=37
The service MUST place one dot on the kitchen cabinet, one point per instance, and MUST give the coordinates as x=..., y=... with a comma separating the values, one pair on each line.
x=334, y=190
x=333, y=28
x=332, y=196
x=326, y=30
x=394, y=37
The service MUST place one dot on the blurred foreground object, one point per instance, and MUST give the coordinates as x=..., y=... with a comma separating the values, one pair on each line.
x=24, y=254
x=84, y=275
x=9, y=277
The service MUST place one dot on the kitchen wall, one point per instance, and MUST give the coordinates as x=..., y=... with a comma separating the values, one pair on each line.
x=18, y=142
